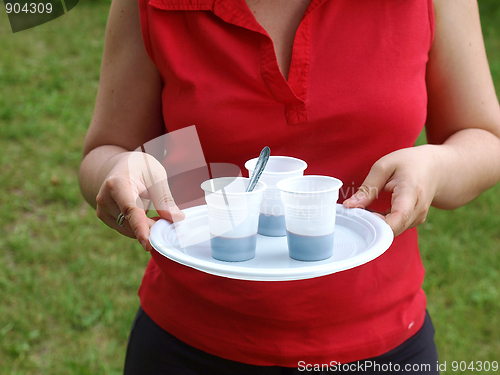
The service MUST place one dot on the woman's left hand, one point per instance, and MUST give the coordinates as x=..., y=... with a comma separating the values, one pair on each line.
x=411, y=175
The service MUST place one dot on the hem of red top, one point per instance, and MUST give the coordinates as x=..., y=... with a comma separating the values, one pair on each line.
x=265, y=358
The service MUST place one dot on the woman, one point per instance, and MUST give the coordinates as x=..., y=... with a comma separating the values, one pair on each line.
x=345, y=85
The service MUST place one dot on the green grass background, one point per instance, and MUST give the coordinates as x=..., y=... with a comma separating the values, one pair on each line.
x=68, y=284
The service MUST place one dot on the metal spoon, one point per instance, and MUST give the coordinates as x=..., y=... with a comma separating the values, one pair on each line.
x=259, y=168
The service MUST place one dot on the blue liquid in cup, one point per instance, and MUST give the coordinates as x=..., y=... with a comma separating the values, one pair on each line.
x=233, y=249
x=310, y=248
x=273, y=226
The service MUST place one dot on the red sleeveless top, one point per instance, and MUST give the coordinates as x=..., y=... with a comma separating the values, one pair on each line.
x=356, y=91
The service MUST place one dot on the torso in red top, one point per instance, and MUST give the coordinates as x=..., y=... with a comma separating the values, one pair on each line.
x=355, y=92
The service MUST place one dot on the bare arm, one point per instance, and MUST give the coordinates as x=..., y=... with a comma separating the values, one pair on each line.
x=463, y=110
x=463, y=127
x=127, y=114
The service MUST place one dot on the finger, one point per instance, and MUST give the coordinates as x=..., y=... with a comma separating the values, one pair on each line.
x=402, y=212
x=126, y=196
x=108, y=211
x=155, y=179
x=105, y=202
x=138, y=222
x=164, y=203
x=373, y=184
x=151, y=222
x=110, y=221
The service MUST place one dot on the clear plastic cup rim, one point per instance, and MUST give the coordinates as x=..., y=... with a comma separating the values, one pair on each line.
x=282, y=185
x=207, y=186
x=250, y=165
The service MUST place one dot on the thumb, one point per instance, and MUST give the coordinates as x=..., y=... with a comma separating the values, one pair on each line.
x=373, y=184
x=164, y=202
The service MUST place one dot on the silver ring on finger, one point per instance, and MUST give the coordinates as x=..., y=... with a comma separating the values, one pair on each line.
x=120, y=219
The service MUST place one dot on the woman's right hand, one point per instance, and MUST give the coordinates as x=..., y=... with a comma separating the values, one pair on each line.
x=135, y=180
x=128, y=114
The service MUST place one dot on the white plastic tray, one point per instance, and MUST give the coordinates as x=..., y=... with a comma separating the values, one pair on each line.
x=360, y=237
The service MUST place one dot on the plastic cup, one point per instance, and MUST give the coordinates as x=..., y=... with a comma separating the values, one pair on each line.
x=310, y=209
x=233, y=217
x=272, y=213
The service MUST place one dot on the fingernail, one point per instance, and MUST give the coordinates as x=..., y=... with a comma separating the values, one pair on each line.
x=144, y=244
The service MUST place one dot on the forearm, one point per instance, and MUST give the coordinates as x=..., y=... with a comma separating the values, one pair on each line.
x=468, y=164
x=94, y=168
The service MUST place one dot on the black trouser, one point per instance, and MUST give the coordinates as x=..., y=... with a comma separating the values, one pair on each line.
x=153, y=351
